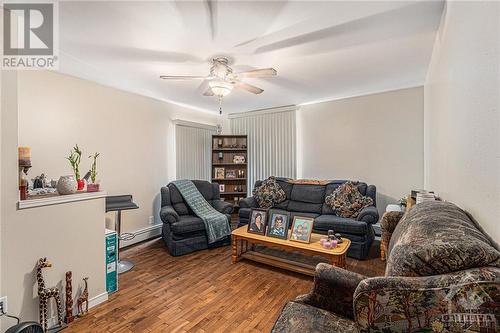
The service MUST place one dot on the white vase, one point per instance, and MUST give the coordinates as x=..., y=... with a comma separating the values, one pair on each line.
x=67, y=185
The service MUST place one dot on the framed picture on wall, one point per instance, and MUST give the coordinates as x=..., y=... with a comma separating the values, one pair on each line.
x=219, y=173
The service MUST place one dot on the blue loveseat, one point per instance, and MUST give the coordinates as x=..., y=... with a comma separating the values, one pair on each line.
x=309, y=200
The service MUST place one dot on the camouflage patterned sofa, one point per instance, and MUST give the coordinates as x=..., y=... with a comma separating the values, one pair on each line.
x=442, y=275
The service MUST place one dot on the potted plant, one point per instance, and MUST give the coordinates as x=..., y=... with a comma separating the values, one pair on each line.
x=74, y=159
x=93, y=186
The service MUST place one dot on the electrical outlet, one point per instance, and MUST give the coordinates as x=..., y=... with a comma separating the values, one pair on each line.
x=3, y=304
x=151, y=220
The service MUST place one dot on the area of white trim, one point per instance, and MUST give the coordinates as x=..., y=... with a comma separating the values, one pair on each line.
x=96, y=300
x=277, y=109
x=60, y=199
x=186, y=123
x=142, y=235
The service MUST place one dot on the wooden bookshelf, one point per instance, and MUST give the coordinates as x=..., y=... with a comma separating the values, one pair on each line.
x=230, y=167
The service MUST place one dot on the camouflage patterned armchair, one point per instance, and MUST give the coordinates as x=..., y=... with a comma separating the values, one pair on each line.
x=442, y=275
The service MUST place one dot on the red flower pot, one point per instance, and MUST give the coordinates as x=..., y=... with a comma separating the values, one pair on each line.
x=93, y=187
x=81, y=184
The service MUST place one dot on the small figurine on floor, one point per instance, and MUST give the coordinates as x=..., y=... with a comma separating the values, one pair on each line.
x=45, y=294
x=69, y=298
x=84, y=298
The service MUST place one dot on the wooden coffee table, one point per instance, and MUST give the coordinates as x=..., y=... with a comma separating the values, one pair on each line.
x=243, y=243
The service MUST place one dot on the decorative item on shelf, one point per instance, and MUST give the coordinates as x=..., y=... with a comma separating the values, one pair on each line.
x=39, y=181
x=83, y=299
x=278, y=224
x=302, y=229
x=424, y=195
x=258, y=220
x=220, y=156
x=219, y=173
x=230, y=174
x=240, y=173
x=93, y=186
x=69, y=298
x=238, y=159
x=24, y=158
x=45, y=294
x=67, y=185
x=236, y=201
x=219, y=143
x=222, y=188
x=74, y=160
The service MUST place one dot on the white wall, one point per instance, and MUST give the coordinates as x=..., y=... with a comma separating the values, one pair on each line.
x=462, y=113
x=134, y=134
x=70, y=235
x=375, y=138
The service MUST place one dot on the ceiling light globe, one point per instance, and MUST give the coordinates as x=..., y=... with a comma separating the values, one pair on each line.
x=220, y=88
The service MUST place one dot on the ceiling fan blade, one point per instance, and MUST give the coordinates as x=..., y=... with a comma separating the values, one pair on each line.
x=182, y=77
x=208, y=92
x=264, y=72
x=248, y=87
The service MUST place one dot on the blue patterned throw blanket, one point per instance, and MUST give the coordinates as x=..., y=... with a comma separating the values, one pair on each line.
x=216, y=223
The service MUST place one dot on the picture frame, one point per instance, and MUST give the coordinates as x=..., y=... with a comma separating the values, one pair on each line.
x=258, y=221
x=230, y=173
x=219, y=173
x=302, y=229
x=222, y=188
x=238, y=159
x=278, y=223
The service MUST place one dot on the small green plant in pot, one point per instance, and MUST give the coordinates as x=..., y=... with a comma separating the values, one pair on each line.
x=93, y=186
x=74, y=160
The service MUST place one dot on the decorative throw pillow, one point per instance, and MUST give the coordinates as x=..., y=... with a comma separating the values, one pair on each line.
x=269, y=193
x=346, y=201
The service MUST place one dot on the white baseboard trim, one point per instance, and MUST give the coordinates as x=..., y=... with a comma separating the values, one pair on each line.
x=142, y=235
x=94, y=301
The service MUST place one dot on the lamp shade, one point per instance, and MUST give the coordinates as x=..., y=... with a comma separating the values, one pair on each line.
x=220, y=88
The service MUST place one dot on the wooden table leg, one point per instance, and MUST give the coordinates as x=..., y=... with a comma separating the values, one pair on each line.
x=339, y=261
x=382, y=250
x=234, y=245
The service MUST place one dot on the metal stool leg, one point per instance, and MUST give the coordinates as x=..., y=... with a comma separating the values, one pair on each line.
x=123, y=265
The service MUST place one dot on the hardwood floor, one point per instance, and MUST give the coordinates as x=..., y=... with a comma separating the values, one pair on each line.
x=200, y=292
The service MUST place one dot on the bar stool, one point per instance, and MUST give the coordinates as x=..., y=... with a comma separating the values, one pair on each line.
x=117, y=203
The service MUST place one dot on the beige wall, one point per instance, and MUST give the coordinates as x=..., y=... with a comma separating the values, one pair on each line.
x=462, y=112
x=374, y=138
x=134, y=134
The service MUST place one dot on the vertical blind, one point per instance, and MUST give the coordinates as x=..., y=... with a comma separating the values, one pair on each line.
x=271, y=144
x=193, y=152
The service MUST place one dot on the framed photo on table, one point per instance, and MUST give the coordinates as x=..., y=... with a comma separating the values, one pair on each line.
x=258, y=221
x=302, y=229
x=277, y=226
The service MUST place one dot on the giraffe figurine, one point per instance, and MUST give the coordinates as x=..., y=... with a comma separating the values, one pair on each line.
x=45, y=294
x=84, y=298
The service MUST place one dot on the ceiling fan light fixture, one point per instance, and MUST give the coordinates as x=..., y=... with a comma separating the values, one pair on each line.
x=220, y=88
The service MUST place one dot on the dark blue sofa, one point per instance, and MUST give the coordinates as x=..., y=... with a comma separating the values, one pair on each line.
x=309, y=200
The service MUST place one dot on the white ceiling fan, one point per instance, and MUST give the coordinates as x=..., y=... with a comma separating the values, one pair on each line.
x=222, y=79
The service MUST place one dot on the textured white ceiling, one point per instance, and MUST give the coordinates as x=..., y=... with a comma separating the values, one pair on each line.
x=321, y=50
